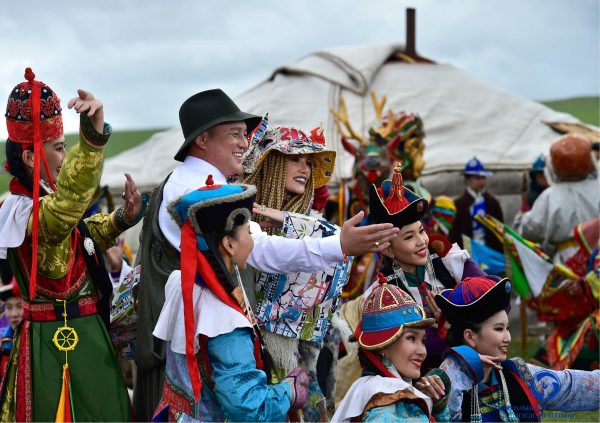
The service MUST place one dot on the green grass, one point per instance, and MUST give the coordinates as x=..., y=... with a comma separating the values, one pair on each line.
x=119, y=141
x=586, y=109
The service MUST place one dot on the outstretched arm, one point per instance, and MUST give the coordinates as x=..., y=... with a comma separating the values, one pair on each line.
x=79, y=176
x=274, y=254
x=565, y=390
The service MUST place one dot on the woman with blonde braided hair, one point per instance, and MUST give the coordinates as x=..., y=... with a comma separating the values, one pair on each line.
x=290, y=171
x=272, y=187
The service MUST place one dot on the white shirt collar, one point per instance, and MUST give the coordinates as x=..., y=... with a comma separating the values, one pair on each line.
x=199, y=164
x=474, y=194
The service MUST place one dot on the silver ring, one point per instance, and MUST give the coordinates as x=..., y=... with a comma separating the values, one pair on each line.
x=123, y=195
x=426, y=383
x=263, y=209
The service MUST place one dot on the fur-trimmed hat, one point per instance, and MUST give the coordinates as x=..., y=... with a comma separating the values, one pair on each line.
x=291, y=141
x=214, y=208
x=386, y=311
x=394, y=203
x=474, y=299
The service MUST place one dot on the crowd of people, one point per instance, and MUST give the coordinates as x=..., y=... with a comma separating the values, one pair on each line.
x=237, y=304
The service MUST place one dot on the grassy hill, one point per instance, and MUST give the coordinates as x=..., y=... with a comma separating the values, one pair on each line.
x=119, y=141
x=587, y=109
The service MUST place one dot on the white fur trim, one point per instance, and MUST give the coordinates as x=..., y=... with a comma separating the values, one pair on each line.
x=283, y=349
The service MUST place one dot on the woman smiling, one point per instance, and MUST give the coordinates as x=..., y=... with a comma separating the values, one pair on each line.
x=391, y=337
x=486, y=385
x=418, y=265
x=288, y=167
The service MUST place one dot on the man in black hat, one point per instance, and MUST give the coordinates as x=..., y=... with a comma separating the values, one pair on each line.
x=215, y=143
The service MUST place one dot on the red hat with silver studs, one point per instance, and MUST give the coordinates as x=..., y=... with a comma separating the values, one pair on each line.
x=24, y=111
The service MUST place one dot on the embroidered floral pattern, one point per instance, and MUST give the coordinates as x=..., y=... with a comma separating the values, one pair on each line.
x=300, y=305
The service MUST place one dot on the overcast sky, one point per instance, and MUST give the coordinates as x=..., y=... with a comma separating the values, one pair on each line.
x=143, y=58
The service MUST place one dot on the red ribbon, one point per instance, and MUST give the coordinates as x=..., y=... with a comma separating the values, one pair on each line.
x=38, y=154
x=188, y=276
x=37, y=146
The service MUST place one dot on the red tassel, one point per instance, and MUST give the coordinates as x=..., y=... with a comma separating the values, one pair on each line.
x=209, y=277
x=396, y=200
x=442, y=331
x=29, y=75
x=37, y=146
x=372, y=176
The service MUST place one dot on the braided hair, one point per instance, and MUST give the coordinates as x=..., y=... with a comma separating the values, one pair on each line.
x=269, y=180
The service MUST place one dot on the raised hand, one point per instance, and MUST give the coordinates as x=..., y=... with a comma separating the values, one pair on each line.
x=433, y=307
x=356, y=241
x=133, y=199
x=86, y=102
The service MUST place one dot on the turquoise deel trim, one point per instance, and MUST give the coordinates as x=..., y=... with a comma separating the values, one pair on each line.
x=391, y=320
x=470, y=358
x=201, y=243
x=191, y=198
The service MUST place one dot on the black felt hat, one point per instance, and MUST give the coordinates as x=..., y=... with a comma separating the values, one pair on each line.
x=393, y=203
x=205, y=110
x=474, y=299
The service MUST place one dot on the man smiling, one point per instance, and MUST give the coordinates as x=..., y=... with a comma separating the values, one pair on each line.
x=215, y=143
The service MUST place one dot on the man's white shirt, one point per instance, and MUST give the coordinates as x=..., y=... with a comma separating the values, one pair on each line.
x=272, y=254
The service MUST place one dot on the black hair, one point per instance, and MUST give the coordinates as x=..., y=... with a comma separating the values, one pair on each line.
x=16, y=167
x=216, y=262
x=454, y=336
x=368, y=365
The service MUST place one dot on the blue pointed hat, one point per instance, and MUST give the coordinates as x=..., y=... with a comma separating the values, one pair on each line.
x=475, y=167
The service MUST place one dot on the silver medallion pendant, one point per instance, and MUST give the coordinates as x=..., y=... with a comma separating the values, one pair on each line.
x=88, y=244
